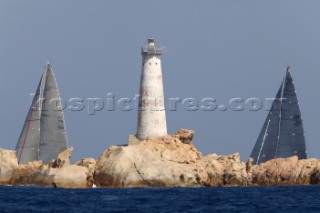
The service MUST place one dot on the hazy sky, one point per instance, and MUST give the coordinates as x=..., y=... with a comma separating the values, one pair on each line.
x=218, y=49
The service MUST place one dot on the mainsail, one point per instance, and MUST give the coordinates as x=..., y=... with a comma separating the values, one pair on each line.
x=282, y=134
x=43, y=135
x=53, y=136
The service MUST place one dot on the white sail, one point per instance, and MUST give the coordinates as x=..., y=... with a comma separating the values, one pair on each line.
x=43, y=135
x=27, y=148
x=53, y=136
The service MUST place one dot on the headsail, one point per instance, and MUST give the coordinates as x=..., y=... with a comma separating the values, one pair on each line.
x=282, y=134
x=27, y=148
x=53, y=136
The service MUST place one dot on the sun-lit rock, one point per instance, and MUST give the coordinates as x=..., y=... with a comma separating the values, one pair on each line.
x=62, y=160
x=166, y=161
x=58, y=173
x=287, y=171
x=8, y=163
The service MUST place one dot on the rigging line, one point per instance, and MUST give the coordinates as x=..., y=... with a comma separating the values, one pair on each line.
x=41, y=99
x=262, y=144
x=280, y=115
x=25, y=137
x=42, y=86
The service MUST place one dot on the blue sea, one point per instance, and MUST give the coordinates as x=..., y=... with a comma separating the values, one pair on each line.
x=222, y=199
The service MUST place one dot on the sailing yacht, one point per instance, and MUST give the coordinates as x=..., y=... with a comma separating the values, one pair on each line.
x=43, y=135
x=282, y=134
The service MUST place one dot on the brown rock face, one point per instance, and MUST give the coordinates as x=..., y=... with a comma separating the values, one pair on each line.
x=167, y=161
x=149, y=163
x=28, y=174
x=90, y=164
x=287, y=171
x=58, y=173
x=8, y=164
x=185, y=135
x=62, y=160
x=174, y=161
x=225, y=170
x=160, y=161
x=69, y=177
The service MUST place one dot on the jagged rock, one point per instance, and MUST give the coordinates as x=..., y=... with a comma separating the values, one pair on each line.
x=26, y=174
x=315, y=176
x=225, y=170
x=249, y=165
x=185, y=135
x=160, y=161
x=62, y=160
x=58, y=173
x=249, y=171
x=90, y=164
x=309, y=170
x=286, y=171
x=8, y=163
x=149, y=163
x=69, y=177
x=167, y=161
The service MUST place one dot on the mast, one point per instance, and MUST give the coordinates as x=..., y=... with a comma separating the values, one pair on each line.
x=280, y=113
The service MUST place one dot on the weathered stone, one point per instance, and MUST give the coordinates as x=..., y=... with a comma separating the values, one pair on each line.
x=167, y=161
x=8, y=163
x=249, y=171
x=58, y=173
x=62, y=160
x=70, y=177
x=90, y=164
x=132, y=139
x=286, y=171
x=27, y=174
x=226, y=170
x=185, y=135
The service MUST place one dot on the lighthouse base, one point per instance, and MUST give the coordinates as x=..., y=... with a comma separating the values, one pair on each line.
x=132, y=140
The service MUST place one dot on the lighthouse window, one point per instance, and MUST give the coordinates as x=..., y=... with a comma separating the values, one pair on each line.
x=149, y=63
x=156, y=63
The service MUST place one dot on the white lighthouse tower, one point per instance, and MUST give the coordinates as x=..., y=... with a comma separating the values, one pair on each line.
x=151, y=115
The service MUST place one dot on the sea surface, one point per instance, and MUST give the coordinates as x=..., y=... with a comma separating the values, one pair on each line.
x=222, y=199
